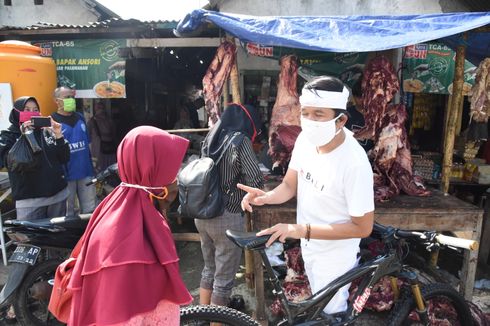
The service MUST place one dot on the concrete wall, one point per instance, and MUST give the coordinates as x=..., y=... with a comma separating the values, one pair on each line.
x=25, y=13
x=337, y=7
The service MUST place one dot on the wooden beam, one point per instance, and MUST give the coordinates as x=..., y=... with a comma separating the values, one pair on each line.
x=453, y=116
x=186, y=237
x=195, y=42
x=73, y=30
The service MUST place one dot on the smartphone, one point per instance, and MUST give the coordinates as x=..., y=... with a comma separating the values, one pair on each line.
x=40, y=122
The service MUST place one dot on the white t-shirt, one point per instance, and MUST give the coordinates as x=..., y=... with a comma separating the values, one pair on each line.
x=332, y=188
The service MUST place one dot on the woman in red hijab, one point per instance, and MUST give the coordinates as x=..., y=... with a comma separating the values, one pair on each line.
x=127, y=272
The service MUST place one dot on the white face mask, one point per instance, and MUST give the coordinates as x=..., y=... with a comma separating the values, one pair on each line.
x=319, y=133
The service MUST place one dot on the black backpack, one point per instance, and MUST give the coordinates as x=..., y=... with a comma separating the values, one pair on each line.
x=200, y=193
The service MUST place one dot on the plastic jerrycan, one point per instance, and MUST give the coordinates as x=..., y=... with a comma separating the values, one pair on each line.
x=28, y=73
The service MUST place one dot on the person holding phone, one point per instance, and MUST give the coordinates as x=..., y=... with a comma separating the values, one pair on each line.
x=41, y=193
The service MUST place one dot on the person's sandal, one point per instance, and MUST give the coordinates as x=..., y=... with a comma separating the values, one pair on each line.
x=10, y=321
x=9, y=317
x=237, y=302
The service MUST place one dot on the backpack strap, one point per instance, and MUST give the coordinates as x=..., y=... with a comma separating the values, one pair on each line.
x=227, y=145
x=234, y=137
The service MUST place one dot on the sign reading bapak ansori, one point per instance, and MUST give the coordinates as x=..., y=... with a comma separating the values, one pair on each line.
x=429, y=68
x=92, y=67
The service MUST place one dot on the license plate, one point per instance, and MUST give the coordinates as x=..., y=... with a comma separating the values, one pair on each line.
x=25, y=254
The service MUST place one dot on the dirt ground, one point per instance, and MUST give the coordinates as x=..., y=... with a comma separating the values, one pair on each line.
x=191, y=265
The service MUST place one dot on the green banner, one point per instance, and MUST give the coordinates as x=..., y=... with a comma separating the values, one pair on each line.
x=429, y=68
x=92, y=67
x=346, y=66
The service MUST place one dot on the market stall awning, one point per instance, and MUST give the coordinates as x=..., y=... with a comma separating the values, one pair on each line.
x=478, y=45
x=337, y=33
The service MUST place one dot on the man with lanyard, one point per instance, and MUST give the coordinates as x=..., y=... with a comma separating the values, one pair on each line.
x=331, y=177
x=79, y=169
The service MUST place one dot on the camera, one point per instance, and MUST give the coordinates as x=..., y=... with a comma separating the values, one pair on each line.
x=40, y=122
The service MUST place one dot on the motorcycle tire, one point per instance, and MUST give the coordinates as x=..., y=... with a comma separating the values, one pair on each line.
x=205, y=315
x=442, y=302
x=32, y=311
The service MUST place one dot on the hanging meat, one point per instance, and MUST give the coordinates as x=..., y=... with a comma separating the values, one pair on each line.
x=215, y=77
x=296, y=285
x=285, y=121
x=392, y=158
x=480, y=98
x=381, y=297
x=379, y=85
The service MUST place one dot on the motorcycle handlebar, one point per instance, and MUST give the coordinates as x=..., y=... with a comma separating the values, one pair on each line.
x=102, y=176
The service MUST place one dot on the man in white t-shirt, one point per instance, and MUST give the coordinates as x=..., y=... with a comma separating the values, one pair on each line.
x=331, y=177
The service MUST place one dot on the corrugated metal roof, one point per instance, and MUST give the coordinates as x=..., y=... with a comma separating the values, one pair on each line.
x=101, y=9
x=113, y=22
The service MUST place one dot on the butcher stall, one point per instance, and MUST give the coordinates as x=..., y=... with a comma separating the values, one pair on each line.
x=403, y=198
x=438, y=212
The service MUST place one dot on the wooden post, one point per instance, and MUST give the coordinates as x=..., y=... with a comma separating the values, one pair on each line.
x=485, y=237
x=452, y=116
x=446, y=117
x=226, y=92
x=234, y=78
x=459, y=115
x=235, y=83
x=470, y=261
x=249, y=258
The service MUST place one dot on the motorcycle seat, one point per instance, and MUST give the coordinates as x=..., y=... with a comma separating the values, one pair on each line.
x=55, y=224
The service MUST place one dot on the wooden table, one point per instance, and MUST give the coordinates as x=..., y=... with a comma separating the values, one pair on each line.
x=438, y=212
x=458, y=187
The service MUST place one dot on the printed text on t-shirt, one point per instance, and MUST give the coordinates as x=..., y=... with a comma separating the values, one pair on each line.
x=78, y=146
x=317, y=184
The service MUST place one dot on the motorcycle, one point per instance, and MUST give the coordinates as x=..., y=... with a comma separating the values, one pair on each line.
x=41, y=245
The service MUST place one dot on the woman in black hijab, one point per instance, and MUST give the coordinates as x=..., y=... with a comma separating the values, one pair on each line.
x=239, y=125
x=9, y=137
x=40, y=193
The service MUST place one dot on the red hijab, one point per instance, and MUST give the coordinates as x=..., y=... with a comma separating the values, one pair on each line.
x=128, y=262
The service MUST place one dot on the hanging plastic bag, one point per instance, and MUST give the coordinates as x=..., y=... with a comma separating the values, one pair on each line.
x=21, y=158
x=273, y=253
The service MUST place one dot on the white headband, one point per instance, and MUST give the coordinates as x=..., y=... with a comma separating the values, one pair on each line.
x=324, y=99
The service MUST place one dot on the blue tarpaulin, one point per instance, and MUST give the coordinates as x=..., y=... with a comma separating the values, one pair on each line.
x=478, y=45
x=344, y=33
